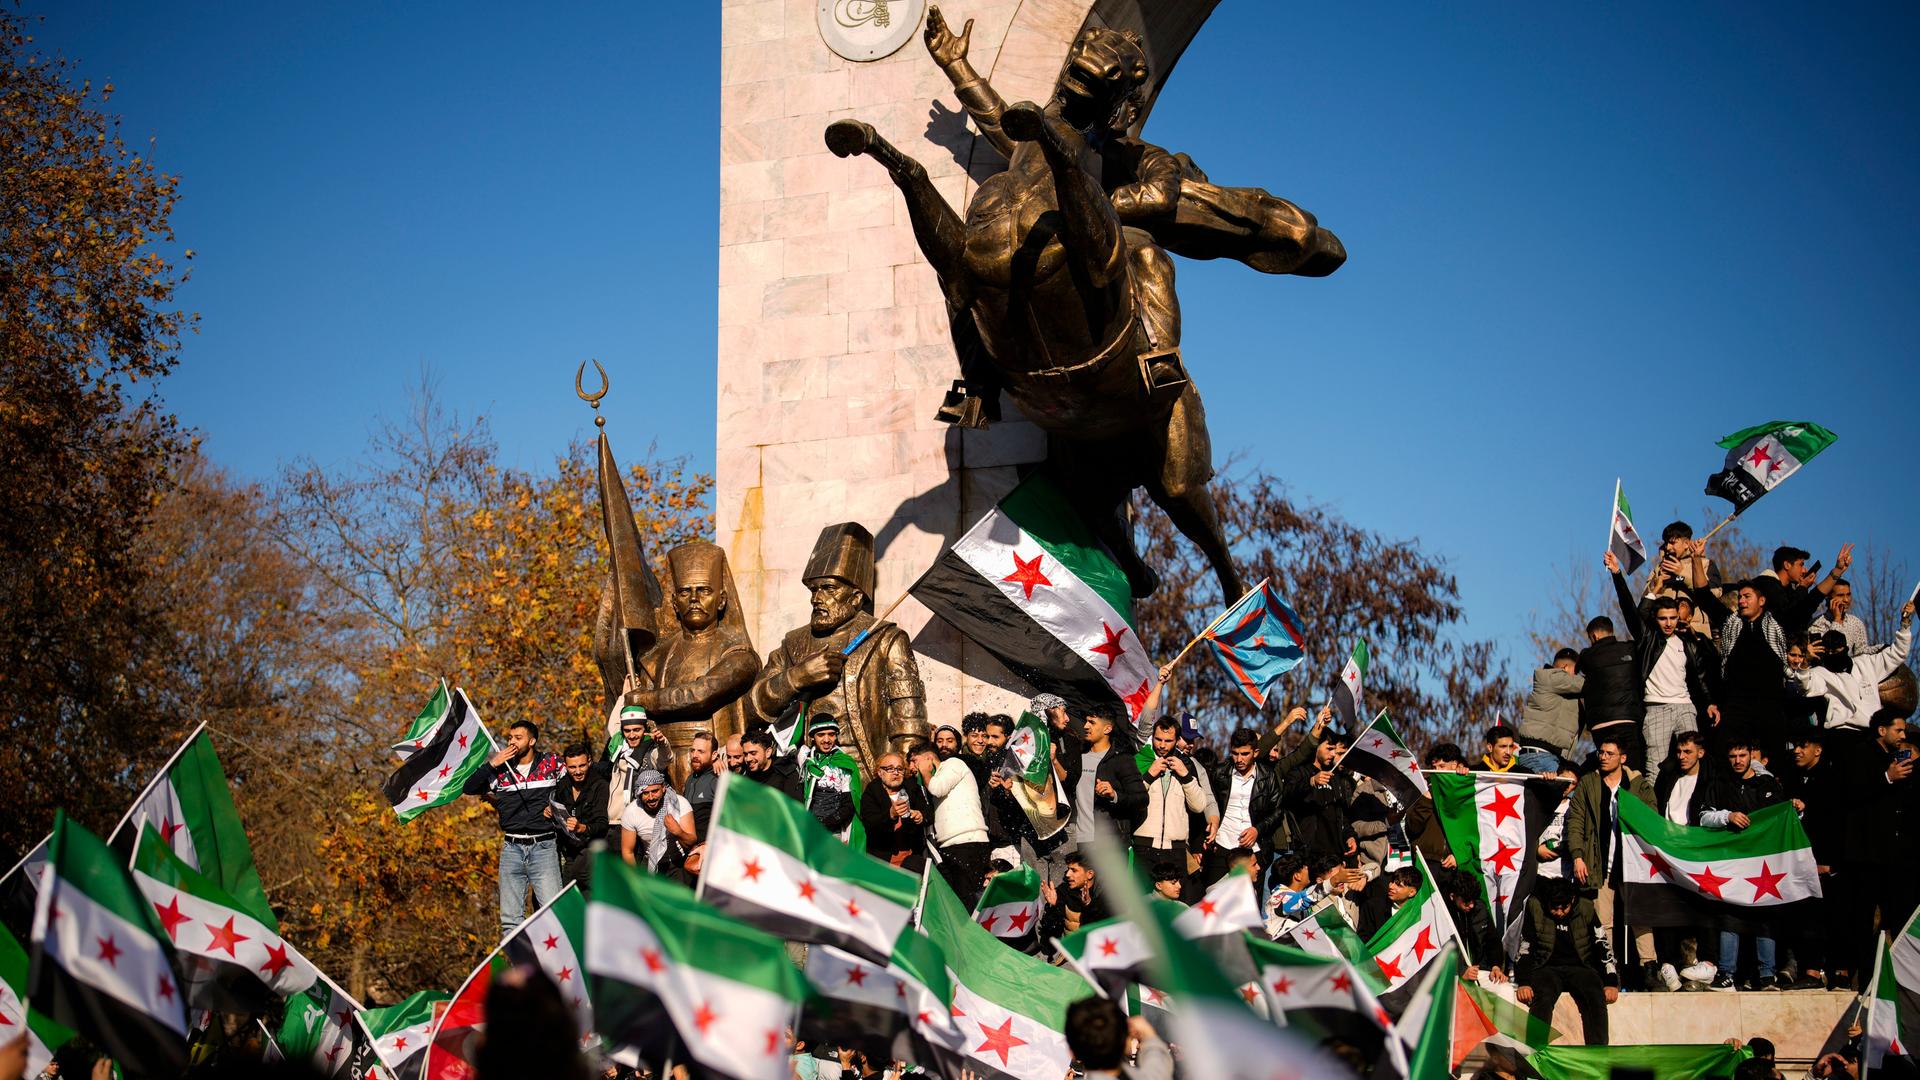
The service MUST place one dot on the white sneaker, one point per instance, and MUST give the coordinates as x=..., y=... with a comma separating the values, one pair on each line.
x=1704, y=971
x=1669, y=977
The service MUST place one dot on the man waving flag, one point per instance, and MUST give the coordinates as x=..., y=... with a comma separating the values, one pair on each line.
x=1379, y=752
x=1256, y=641
x=444, y=745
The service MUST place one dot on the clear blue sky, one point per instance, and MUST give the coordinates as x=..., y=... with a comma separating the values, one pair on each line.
x=1585, y=242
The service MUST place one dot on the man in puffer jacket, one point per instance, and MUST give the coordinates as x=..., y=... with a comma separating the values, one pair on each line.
x=1550, y=719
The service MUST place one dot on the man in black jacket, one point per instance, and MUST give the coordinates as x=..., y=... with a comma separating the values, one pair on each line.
x=894, y=810
x=519, y=780
x=1881, y=835
x=1819, y=795
x=1564, y=950
x=584, y=794
x=768, y=766
x=1316, y=796
x=1611, y=704
x=1111, y=785
x=1676, y=668
x=1249, y=800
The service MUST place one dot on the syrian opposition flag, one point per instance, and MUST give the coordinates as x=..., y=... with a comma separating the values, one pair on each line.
x=44, y=1037
x=1439, y=1026
x=1492, y=822
x=1736, y=879
x=100, y=962
x=836, y=772
x=445, y=744
x=20, y=887
x=1379, y=752
x=674, y=978
x=1411, y=939
x=881, y=1010
x=396, y=1036
x=551, y=941
x=1030, y=584
x=1327, y=933
x=1009, y=909
x=1008, y=1014
x=1622, y=538
x=1881, y=1040
x=229, y=961
x=1759, y=458
x=319, y=1028
x=191, y=807
x=1323, y=997
x=1217, y=925
x=1039, y=794
x=1256, y=641
x=772, y=866
x=1111, y=955
x=1905, y=962
x=1349, y=697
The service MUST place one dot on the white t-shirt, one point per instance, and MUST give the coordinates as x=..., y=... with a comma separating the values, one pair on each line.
x=1679, y=798
x=650, y=828
x=1667, y=682
x=1237, y=816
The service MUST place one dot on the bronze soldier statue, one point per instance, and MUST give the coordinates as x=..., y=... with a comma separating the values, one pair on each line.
x=1059, y=288
x=697, y=675
x=875, y=691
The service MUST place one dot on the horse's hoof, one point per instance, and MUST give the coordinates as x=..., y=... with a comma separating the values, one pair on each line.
x=849, y=137
x=1023, y=121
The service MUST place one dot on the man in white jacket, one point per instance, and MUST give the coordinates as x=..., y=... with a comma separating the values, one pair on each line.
x=959, y=829
x=1851, y=684
x=1173, y=794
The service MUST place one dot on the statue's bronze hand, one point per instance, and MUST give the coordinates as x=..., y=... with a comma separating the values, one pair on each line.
x=945, y=48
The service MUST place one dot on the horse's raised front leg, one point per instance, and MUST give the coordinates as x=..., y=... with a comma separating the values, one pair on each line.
x=1178, y=485
x=1090, y=228
x=940, y=232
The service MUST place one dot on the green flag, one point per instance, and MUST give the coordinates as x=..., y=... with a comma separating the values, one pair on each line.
x=44, y=1037
x=1668, y=1062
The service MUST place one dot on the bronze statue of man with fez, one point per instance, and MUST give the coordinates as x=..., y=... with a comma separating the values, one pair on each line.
x=697, y=675
x=874, y=688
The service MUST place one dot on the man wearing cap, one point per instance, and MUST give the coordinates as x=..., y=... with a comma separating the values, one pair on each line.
x=637, y=751
x=844, y=663
x=829, y=790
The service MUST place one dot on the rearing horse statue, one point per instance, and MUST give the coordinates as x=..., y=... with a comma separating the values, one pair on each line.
x=1059, y=287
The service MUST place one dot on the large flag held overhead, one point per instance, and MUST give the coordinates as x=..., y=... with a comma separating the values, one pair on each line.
x=551, y=941
x=1759, y=458
x=772, y=866
x=1736, y=879
x=1031, y=584
x=877, y=1008
x=672, y=977
x=44, y=1037
x=1009, y=1010
x=1622, y=538
x=445, y=744
x=191, y=807
x=1010, y=907
x=1492, y=822
x=1256, y=641
x=101, y=964
x=1379, y=752
x=1349, y=697
x=1411, y=938
x=228, y=960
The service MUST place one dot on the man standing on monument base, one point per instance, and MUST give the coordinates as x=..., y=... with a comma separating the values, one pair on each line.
x=874, y=690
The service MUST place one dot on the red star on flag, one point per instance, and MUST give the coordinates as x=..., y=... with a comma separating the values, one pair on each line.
x=853, y=909
x=225, y=937
x=551, y=942
x=444, y=770
x=1110, y=648
x=565, y=974
x=773, y=1043
x=168, y=828
x=1108, y=946
x=1768, y=883
x=989, y=921
x=1027, y=574
x=1249, y=993
x=954, y=1010
x=1503, y=859
x=1342, y=982
x=1502, y=807
x=1208, y=908
x=651, y=958
x=1389, y=968
x=1378, y=742
x=900, y=990
x=400, y=1043
x=166, y=988
x=704, y=1017
x=171, y=916
x=924, y=1017
x=752, y=869
x=1307, y=932
x=109, y=951
x=463, y=741
x=1656, y=864
x=807, y=890
x=1017, y=922
x=1423, y=944
x=277, y=961
x=1138, y=699
x=1283, y=986
x=1759, y=456
x=857, y=975
x=1709, y=882
x=422, y=795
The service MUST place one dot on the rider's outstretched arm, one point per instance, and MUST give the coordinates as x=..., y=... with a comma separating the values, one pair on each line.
x=976, y=95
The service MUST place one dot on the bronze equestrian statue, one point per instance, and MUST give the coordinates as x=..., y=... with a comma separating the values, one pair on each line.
x=1059, y=288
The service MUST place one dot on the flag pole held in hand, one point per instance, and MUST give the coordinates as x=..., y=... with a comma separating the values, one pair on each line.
x=1212, y=626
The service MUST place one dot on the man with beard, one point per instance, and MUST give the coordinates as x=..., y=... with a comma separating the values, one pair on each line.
x=1173, y=792
x=894, y=811
x=518, y=780
x=844, y=663
x=1317, y=795
x=584, y=795
x=657, y=825
x=764, y=763
x=700, y=790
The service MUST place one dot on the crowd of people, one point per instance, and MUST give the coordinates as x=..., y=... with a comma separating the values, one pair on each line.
x=1707, y=700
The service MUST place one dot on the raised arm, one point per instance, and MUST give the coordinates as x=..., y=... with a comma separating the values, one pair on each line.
x=949, y=50
x=1629, y=611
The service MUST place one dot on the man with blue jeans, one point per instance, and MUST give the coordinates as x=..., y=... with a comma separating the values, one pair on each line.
x=1753, y=788
x=520, y=781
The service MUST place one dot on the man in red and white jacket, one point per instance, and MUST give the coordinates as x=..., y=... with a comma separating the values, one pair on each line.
x=520, y=782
